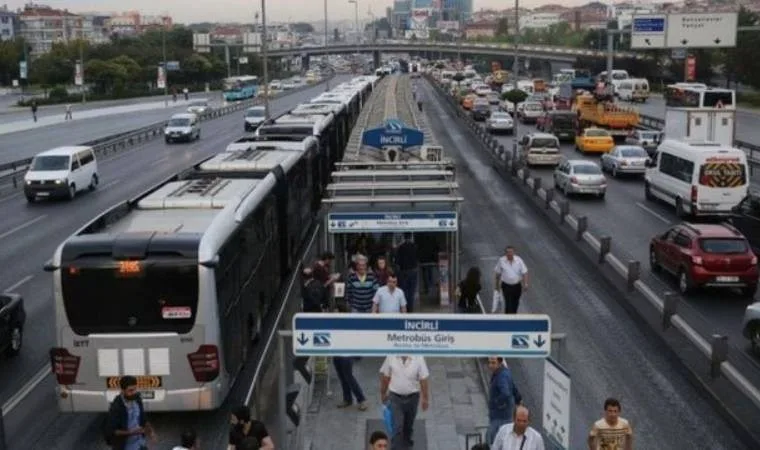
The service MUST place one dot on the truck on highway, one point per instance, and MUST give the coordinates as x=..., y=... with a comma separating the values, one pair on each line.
x=700, y=113
x=618, y=120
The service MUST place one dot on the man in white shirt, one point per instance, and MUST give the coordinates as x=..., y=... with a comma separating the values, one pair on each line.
x=403, y=383
x=518, y=435
x=511, y=277
x=389, y=298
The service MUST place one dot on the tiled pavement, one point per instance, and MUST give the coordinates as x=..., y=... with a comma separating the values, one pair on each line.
x=457, y=408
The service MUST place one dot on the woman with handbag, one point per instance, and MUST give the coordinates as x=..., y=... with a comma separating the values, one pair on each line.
x=468, y=291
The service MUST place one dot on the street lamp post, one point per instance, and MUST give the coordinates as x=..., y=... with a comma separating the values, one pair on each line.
x=515, y=71
x=264, y=55
x=166, y=71
x=81, y=68
x=327, y=57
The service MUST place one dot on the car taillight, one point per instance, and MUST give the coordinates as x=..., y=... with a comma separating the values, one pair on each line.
x=573, y=180
x=754, y=260
x=64, y=365
x=205, y=363
x=697, y=260
x=694, y=195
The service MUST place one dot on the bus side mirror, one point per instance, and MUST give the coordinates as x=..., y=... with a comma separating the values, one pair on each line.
x=50, y=266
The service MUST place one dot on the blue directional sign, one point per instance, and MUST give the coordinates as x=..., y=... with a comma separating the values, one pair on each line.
x=648, y=25
x=393, y=133
x=444, y=335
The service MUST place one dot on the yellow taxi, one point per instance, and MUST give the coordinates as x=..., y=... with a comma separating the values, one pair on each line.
x=594, y=140
x=468, y=101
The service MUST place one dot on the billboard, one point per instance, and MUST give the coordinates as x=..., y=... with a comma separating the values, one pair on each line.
x=419, y=18
x=447, y=25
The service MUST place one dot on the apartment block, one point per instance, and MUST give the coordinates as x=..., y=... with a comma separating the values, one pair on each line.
x=42, y=26
x=8, y=23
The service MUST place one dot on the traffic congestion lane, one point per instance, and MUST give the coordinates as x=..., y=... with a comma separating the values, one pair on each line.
x=12, y=113
x=746, y=119
x=633, y=221
x=25, y=251
x=667, y=412
x=37, y=423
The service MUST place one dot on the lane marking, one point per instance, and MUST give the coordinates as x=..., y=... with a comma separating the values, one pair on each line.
x=110, y=184
x=31, y=385
x=657, y=215
x=19, y=283
x=22, y=226
x=161, y=160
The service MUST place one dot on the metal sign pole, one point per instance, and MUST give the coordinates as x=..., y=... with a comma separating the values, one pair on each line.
x=282, y=392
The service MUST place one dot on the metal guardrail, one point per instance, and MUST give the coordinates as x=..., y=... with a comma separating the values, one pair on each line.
x=715, y=349
x=12, y=173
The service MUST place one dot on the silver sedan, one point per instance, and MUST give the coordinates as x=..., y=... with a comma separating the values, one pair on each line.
x=500, y=122
x=625, y=159
x=577, y=176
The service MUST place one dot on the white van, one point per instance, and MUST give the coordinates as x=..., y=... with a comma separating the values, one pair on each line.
x=540, y=149
x=61, y=172
x=699, y=178
x=633, y=90
x=182, y=127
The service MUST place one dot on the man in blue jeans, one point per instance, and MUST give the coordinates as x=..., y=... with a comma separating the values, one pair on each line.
x=502, y=397
x=407, y=263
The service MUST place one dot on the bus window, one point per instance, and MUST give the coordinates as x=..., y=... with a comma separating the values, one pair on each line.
x=724, y=98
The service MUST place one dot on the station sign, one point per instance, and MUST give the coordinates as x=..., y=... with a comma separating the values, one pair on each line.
x=440, y=335
x=391, y=222
x=556, y=405
x=393, y=133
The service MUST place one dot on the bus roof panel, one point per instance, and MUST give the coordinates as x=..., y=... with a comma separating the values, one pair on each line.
x=198, y=194
x=253, y=160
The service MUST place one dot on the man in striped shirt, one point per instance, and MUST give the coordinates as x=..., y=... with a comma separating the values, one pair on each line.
x=361, y=287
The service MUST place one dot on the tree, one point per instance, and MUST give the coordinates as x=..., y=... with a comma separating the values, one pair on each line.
x=502, y=27
x=105, y=74
x=741, y=64
x=515, y=96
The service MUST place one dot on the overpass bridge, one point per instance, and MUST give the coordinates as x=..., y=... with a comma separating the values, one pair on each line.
x=539, y=52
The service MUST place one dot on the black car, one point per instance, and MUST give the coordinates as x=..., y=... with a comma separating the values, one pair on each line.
x=481, y=111
x=746, y=218
x=12, y=318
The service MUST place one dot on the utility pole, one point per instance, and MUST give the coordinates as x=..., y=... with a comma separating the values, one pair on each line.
x=327, y=57
x=166, y=71
x=356, y=18
x=264, y=51
x=81, y=68
x=515, y=71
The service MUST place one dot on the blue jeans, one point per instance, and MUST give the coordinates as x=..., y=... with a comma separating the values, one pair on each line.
x=344, y=367
x=493, y=429
x=407, y=281
x=428, y=276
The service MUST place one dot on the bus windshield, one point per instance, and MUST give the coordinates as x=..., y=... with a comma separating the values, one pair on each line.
x=131, y=297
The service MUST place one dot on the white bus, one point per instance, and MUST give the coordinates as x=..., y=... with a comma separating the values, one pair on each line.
x=174, y=286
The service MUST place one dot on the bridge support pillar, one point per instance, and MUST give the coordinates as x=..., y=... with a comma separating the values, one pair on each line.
x=305, y=60
x=376, y=58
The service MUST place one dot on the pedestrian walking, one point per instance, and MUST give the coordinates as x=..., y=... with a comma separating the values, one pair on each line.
x=34, y=110
x=407, y=263
x=518, y=434
x=68, y=113
x=419, y=100
x=511, y=277
x=468, y=292
x=313, y=293
x=378, y=440
x=242, y=427
x=321, y=271
x=404, y=384
x=186, y=92
x=611, y=432
x=389, y=298
x=361, y=286
x=503, y=395
x=127, y=428
x=382, y=271
x=188, y=441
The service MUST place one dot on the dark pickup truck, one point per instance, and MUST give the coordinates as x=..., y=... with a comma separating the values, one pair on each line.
x=12, y=319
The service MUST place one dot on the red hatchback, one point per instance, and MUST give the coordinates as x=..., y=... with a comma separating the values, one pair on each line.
x=706, y=255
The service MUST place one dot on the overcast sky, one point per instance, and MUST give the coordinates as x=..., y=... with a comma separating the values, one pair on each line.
x=236, y=10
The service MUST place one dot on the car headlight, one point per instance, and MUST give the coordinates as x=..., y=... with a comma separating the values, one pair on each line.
x=28, y=182
x=59, y=181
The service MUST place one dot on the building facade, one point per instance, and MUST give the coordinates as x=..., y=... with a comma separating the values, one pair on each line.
x=480, y=30
x=8, y=23
x=132, y=23
x=539, y=20
x=42, y=26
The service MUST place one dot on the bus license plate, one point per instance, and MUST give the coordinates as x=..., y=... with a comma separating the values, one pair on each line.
x=727, y=279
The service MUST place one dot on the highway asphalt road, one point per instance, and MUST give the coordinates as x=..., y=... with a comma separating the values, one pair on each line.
x=632, y=221
x=9, y=112
x=29, y=235
x=607, y=353
x=25, y=144
x=747, y=120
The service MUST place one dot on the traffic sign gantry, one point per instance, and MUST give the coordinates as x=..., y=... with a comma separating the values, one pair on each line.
x=443, y=335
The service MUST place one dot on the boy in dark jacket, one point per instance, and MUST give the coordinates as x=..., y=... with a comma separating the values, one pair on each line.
x=127, y=427
x=502, y=398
